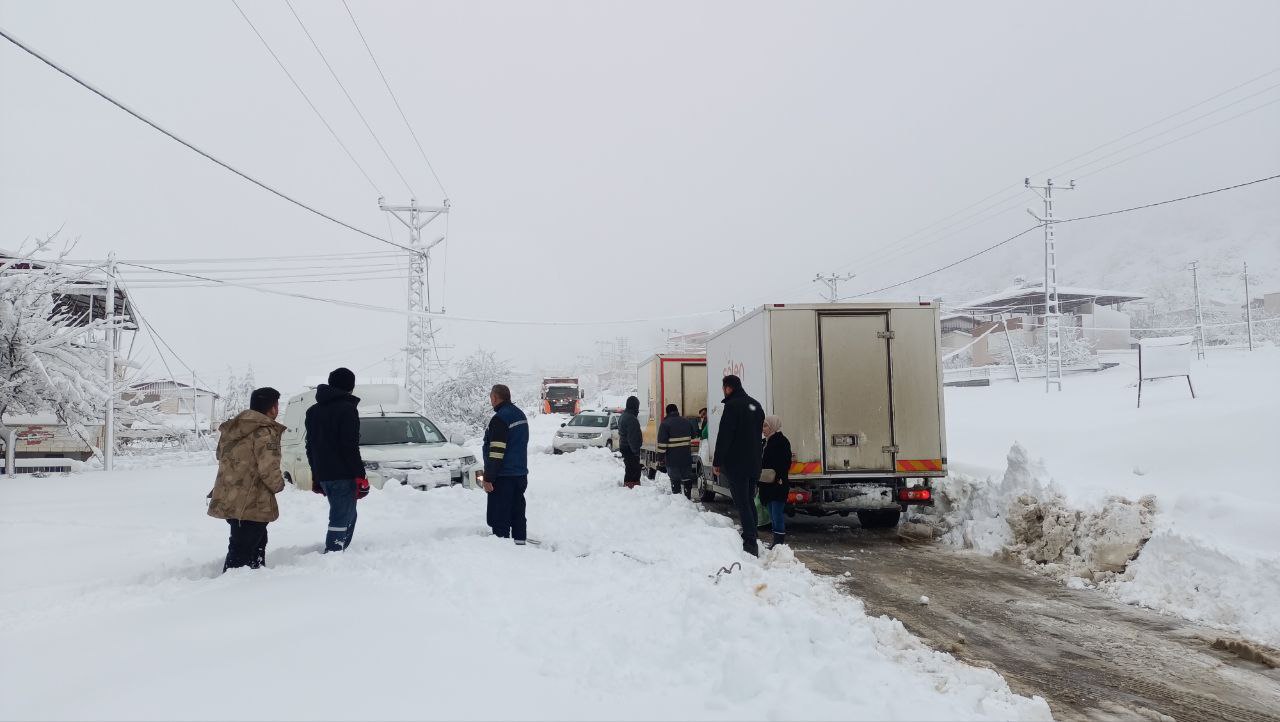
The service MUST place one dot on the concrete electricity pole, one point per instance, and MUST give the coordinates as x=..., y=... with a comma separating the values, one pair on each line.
x=1194, y=267
x=1052, y=317
x=832, y=282
x=420, y=332
x=1248, y=308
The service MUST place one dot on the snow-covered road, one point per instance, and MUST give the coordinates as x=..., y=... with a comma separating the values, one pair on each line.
x=111, y=606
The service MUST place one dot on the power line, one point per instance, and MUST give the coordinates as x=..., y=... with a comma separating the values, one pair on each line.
x=1010, y=239
x=953, y=264
x=102, y=94
x=1181, y=138
x=1171, y=200
x=402, y=312
x=351, y=100
x=1176, y=127
x=305, y=97
x=1130, y=134
x=395, y=100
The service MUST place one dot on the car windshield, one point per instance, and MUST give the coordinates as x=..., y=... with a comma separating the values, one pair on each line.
x=594, y=421
x=562, y=392
x=384, y=430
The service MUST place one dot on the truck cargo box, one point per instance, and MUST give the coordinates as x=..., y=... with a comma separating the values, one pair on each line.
x=858, y=387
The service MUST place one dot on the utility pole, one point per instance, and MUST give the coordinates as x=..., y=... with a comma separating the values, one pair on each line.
x=1052, y=317
x=420, y=332
x=832, y=282
x=1248, y=307
x=1194, y=267
x=109, y=431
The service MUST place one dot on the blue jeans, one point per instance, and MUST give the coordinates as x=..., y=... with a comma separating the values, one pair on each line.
x=342, y=513
x=778, y=517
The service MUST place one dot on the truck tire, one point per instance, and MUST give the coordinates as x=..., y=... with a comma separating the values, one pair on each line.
x=879, y=518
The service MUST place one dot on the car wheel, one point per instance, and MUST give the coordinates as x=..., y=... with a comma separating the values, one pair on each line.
x=705, y=494
x=556, y=452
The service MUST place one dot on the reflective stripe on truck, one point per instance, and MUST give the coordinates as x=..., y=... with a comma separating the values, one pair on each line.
x=919, y=465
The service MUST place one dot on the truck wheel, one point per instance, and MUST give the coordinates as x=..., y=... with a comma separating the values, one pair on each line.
x=879, y=518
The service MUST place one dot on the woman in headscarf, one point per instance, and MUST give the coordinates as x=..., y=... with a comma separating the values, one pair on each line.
x=775, y=462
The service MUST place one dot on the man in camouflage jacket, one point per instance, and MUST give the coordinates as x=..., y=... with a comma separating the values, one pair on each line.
x=249, y=478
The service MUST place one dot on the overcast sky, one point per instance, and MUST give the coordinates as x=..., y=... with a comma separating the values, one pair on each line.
x=605, y=160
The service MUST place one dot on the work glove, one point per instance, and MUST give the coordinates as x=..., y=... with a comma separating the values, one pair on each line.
x=362, y=488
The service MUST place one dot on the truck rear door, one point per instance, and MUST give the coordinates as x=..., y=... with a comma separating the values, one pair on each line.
x=693, y=388
x=857, y=424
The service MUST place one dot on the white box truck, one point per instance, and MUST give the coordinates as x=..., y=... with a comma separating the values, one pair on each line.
x=679, y=379
x=858, y=387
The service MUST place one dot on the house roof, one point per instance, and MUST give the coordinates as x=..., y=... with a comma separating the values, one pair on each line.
x=1029, y=298
x=169, y=385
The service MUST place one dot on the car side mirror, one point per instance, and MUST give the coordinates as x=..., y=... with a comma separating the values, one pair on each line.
x=563, y=425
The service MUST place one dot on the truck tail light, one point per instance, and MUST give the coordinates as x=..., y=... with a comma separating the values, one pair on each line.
x=914, y=495
x=796, y=496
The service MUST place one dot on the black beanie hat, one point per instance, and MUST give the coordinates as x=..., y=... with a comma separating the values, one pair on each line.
x=633, y=404
x=342, y=379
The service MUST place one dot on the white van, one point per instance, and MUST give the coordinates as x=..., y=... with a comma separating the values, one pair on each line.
x=398, y=445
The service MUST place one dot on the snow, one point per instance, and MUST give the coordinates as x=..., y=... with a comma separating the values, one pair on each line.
x=1187, y=485
x=112, y=606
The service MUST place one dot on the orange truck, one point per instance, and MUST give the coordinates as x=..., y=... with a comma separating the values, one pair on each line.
x=561, y=395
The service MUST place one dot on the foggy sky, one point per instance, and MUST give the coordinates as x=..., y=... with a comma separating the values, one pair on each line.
x=604, y=160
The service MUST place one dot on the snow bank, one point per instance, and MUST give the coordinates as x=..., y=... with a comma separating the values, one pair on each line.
x=115, y=608
x=1171, y=506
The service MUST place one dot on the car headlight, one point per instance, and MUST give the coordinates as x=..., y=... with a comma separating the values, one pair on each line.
x=562, y=434
x=370, y=466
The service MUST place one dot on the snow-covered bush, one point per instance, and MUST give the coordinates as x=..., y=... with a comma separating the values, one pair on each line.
x=50, y=362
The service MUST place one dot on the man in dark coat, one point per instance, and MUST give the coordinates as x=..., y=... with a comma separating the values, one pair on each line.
x=506, y=466
x=737, y=455
x=675, y=450
x=630, y=439
x=333, y=451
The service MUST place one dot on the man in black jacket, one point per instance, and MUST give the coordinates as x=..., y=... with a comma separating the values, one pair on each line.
x=675, y=449
x=737, y=455
x=630, y=440
x=333, y=451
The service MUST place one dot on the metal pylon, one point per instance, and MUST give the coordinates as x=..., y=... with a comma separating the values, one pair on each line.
x=1052, y=315
x=420, y=332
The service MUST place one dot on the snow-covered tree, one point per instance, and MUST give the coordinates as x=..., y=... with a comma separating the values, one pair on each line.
x=50, y=362
x=460, y=403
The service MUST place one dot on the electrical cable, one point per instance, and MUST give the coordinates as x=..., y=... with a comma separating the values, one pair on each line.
x=1066, y=220
x=351, y=100
x=428, y=314
x=1171, y=200
x=305, y=97
x=396, y=100
x=172, y=136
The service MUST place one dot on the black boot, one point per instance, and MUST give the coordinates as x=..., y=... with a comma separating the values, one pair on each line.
x=778, y=539
x=751, y=547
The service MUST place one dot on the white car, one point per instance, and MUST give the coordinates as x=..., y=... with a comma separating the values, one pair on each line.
x=398, y=445
x=587, y=429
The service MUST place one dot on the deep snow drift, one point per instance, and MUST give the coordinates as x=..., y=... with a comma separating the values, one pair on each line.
x=111, y=606
x=1188, y=486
